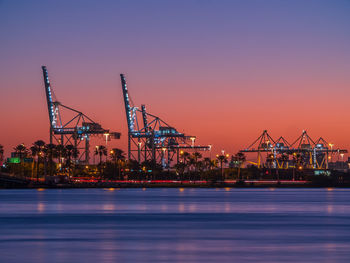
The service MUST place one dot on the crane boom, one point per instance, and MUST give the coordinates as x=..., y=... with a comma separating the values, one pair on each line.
x=144, y=117
x=128, y=108
x=50, y=104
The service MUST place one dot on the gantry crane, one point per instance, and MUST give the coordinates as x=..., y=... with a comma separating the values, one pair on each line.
x=75, y=130
x=304, y=151
x=153, y=139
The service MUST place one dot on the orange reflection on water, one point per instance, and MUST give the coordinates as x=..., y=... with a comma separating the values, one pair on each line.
x=41, y=207
x=108, y=207
x=181, y=207
x=329, y=209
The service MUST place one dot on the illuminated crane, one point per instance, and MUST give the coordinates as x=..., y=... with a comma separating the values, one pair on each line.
x=310, y=154
x=153, y=139
x=78, y=127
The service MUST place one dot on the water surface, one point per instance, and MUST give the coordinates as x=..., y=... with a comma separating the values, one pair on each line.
x=175, y=225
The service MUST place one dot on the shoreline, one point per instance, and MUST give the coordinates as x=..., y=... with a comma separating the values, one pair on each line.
x=113, y=186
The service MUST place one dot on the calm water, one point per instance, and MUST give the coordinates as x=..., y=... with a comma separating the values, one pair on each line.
x=174, y=225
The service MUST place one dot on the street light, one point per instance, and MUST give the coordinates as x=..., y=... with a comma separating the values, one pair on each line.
x=222, y=158
x=331, y=145
x=210, y=150
x=139, y=151
x=95, y=152
x=107, y=136
x=193, y=139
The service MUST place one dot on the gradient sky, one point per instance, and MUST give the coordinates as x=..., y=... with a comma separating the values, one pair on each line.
x=221, y=70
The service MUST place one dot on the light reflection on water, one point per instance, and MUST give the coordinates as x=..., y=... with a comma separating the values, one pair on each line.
x=175, y=225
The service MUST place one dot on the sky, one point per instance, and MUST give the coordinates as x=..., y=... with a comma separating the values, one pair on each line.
x=223, y=71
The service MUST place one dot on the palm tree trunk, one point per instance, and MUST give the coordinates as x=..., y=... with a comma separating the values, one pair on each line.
x=33, y=165
x=100, y=166
x=37, y=169
x=222, y=172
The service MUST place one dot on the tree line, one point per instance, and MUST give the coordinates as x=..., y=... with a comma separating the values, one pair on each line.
x=42, y=159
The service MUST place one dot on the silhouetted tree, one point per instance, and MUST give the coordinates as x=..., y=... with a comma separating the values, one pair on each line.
x=117, y=156
x=222, y=159
x=71, y=153
x=195, y=157
x=240, y=159
x=37, y=152
x=21, y=152
x=50, y=154
x=101, y=150
x=61, y=153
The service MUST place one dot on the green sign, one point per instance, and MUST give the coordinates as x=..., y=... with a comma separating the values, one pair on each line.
x=13, y=160
x=322, y=172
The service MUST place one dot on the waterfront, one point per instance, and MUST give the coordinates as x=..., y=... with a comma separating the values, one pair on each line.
x=175, y=225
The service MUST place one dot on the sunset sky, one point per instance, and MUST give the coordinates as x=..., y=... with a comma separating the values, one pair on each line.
x=221, y=70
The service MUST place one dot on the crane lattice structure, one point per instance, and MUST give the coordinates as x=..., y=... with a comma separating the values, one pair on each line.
x=152, y=139
x=305, y=152
x=77, y=129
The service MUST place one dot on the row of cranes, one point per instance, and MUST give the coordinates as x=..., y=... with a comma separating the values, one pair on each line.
x=304, y=152
x=151, y=140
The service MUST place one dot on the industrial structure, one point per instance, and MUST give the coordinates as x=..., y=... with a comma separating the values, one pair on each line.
x=73, y=127
x=152, y=139
x=304, y=152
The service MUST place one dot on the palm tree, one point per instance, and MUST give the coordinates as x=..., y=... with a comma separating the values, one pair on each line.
x=195, y=157
x=50, y=153
x=207, y=163
x=240, y=158
x=213, y=164
x=61, y=153
x=100, y=151
x=186, y=156
x=21, y=152
x=186, y=159
x=71, y=153
x=191, y=162
x=117, y=156
x=180, y=169
x=37, y=151
x=34, y=153
x=222, y=159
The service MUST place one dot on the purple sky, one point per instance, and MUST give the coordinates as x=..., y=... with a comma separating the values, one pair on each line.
x=221, y=70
